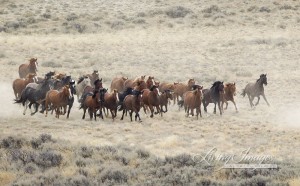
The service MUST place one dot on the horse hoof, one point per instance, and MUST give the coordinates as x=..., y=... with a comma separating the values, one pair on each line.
x=151, y=116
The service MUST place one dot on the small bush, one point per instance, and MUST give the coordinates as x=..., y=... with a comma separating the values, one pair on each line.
x=49, y=159
x=114, y=176
x=265, y=9
x=177, y=12
x=143, y=154
x=11, y=142
x=117, y=25
x=71, y=17
x=211, y=9
x=86, y=152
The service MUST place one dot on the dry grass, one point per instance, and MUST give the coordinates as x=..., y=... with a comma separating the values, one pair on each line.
x=205, y=40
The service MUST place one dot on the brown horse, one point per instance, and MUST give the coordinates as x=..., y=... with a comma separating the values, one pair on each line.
x=229, y=93
x=256, y=90
x=118, y=84
x=133, y=83
x=151, y=99
x=20, y=84
x=164, y=99
x=93, y=103
x=192, y=100
x=111, y=101
x=58, y=99
x=31, y=67
x=181, y=88
x=132, y=103
x=140, y=85
x=150, y=82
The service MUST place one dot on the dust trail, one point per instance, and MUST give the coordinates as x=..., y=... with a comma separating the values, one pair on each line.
x=7, y=99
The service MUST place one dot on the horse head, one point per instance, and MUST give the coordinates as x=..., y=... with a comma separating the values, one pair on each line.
x=263, y=79
x=33, y=64
x=191, y=82
x=116, y=95
x=231, y=88
x=169, y=94
x=67, y=91
x=155, y=89
x=150, y=81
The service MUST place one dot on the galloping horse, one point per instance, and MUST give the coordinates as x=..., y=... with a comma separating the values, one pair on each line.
x=213, y=95
x=20, y=84
x=82, y=82
x=192, y=100
x=58, y=99
x=150, y=97
x=229, y=93
x=25, y=69
x=132, y=103
x=256, y=90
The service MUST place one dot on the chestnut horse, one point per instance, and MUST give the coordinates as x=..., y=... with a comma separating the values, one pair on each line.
x=164, y=99
x=132, y=103
x=192, y=100
x=93, y=102
x=213, y=95
x=181, y=88
x=133, y=83
x=58, y=99
x=229, y=93
x=150, y=98
x=256, y=90
x=31, y=67
x=20, y=84
x=150, y=82
x=118, y=84
x=111, y=101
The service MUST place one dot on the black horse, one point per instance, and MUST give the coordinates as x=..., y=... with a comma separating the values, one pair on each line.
x=34, y=96
x=256, y=90
x=213, y=95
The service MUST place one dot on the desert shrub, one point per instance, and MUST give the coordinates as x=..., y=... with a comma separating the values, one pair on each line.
x=46, y=138
x=117, y=25
x=141, y=14
x=252, y=9
x=287, y=7
x=49, y=159
x=31, y=168
x=139, y=21
x=180, y=160
x=265, y=9
x=86, y=152
x=36, y=143
x=71, y=17
x=11, y=142
x=78, y=180
x=143, y=154
x=14, y=24
x=80, y=163
x=51, y=64
x=46, y=15
x=212, y=9
x=79, y=27
x=177, y=12
x=114, y=176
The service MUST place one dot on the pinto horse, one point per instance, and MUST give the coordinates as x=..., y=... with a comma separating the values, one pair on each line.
x=58, y=99
x=20, y=84
x=229, y=93
x=256, y=90
x=31, y=67
x=213, y=95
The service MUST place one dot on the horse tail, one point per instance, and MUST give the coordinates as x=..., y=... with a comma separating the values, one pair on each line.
x=244, y=93
x=180, y=103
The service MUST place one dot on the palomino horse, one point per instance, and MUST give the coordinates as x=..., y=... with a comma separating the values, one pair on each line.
x=31, y=67
x=192, y=100
x=213, y=95
x=229, y=93
x=256, y=90
x=20, y=84
x=58, y=99
x=150, y=98
x=132, y=103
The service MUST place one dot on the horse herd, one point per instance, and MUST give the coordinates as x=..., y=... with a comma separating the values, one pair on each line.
x=56, y=91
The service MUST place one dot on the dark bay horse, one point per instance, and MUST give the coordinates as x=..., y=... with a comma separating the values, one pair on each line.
x=213, y=95
x=31, y=67
x=256, y=90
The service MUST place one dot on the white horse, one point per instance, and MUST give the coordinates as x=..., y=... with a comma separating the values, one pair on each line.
x=81, y=84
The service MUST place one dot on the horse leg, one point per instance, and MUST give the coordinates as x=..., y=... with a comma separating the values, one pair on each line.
x=130, y=114
x=263, y=95
x=84, y=111
x=36, y=108
x=112, y=115
x=166, y=108
x=215, y=109
x=219, y=105
x=192, y=111
x=91, y=113
x=197, y=112
x=258, y=98
x=250, y=100
x=95, y=114
x=236, y=109
x=187, y=111
x=144, y=107
x=200, y=111
x=152, y=110
x=25, y=107
x=123, y=114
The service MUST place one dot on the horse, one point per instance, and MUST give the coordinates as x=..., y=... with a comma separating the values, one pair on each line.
x=122, y=96
x=111, y=101
x=38, y=84
x=34, y=96
x=20, y=84
x=58, y=99
x=118, y=84
x=133, y=83
x=181, y=88
x=94, y=76
x=81, y=84
x=150, y=97
x=132, y=103
x=164, y=99
x=140, y=85
x=70, y=100
x=150, y=82
x=31, y=67
x=213, y=95
x=256, y=90
x=192, y=100
x=229, y=93
x=93, y=102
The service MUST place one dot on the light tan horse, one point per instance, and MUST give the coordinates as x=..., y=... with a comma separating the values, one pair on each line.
x=31, y=67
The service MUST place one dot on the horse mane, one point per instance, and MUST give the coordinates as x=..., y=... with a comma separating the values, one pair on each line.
x=216, y=83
